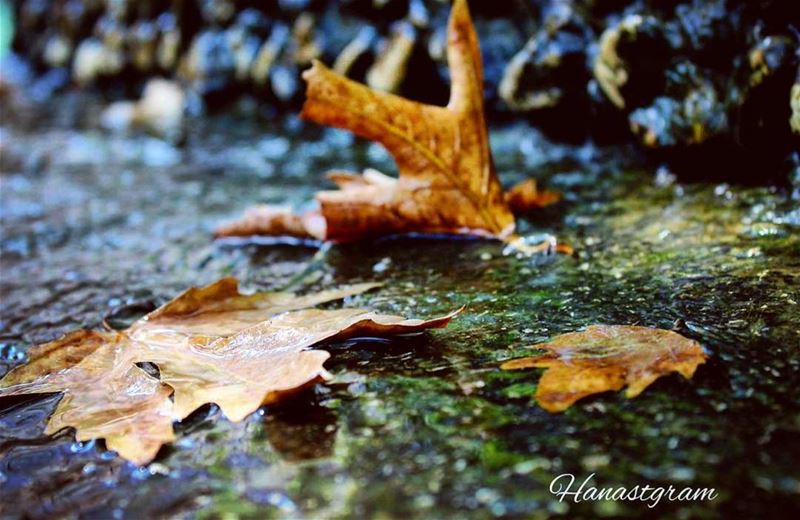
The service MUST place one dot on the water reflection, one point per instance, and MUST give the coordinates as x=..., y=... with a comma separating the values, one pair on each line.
x=301, y=429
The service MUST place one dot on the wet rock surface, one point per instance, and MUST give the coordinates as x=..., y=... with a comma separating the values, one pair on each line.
x=97, y=226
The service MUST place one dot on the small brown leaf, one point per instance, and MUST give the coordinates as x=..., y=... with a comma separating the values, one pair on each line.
x=608, y=357
x=526, y=197
x=211, y=345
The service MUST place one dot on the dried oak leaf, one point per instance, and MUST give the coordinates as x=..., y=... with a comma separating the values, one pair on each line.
x=447, y=181
x=608, y=357
x=211, y=345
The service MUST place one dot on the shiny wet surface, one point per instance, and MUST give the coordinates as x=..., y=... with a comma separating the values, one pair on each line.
x=424, y=426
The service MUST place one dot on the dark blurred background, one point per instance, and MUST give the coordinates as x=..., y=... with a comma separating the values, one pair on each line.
x=709, y=86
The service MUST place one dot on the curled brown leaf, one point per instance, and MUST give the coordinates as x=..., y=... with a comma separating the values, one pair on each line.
x=447, y=180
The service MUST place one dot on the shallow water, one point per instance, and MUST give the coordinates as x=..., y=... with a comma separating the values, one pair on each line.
x=424, y=426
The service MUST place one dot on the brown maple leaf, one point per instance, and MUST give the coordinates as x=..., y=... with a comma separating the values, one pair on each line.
x=447, y=181
x=211, y=345
x=608, y=357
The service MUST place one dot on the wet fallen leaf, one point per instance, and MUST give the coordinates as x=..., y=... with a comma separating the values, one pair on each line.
x=105, y=394
x=608, y=357
x=211, y=345
x=447, y=181
x=239, y=380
